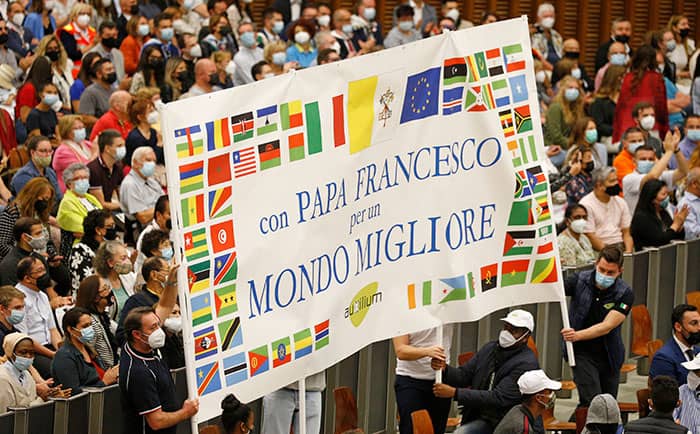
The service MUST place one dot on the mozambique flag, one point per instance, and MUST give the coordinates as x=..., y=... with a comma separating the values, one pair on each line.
x=208, y=379
x=198, y=276
x=518, y=243
x=506, y=123
x=192, y=210
x=489, y=277
x=303, y=344
x=218, y=136
x=454, y=71
x=542, y=209
x=281, y=352
x=231, y=333
x=521, y=213
x=477, y=67
x=201, y=309
x=204, y=343
x=225, y=268
x=290, y=115
x=514, y=272
x=192, y=145
x=220, y=203
x=196, y=244
x=455, y=290
x=322, y=334
x=191, y=177
x=225, y=300
x=259, y=360
x=269, y=155
x=544, y=271
x=242, y=126
x=313, y=128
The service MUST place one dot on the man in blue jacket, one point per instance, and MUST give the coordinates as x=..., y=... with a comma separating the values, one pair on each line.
x=681, y=348
x=600, y=302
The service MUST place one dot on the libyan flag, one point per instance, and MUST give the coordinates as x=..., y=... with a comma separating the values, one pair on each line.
x=514, y=272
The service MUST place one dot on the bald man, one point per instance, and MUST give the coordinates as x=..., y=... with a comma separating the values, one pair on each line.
x=116, y=118
x=572, y=50
x=617, y=55
x=204, y=77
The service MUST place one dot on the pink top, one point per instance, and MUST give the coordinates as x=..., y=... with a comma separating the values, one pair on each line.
x=68, y=153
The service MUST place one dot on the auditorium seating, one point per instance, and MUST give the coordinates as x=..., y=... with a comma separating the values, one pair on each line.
x=422, y=423
x=345, y=411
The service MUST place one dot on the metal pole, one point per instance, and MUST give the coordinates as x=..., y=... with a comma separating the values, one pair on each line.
x=302, y=406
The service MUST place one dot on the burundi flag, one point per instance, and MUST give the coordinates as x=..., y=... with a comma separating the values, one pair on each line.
x=242, y=126
x=198, y=276
x=518, y=88
x=422, y=95
x=222, y=236
x=494, y=61
x=523, y=120
x=522, y=187
x=519, y=243
x=477, y=67
x=220, y=203
x=513, y=57
x=514, y=272
x=192, y=210
x=281, y=352
x=537, y=179
x=225, y=268
x=500, y=92
x=225, y=300
x=204, y=343
x=196, y=244
x=339, y=120
x=291, y=116
x=506, y=123
x=544, y=271
x=479, y=99
x=201, y=309
x=188, y=144
x=259, y=360
x=191, y=177
x=542, y=208
x=456, y=289
x=521, y=213
x=266, y=120
x=303, y=343
x=218, y=136
x=235, y=369
x=231, y=333
x=361, y=112
x=426, y=295
x=219, y=170
x=269, y=155
x=208, y=379
x=322, y=334
x=314, y=140
x=489, y=277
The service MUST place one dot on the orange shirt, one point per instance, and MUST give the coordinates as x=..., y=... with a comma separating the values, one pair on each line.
x=131, y=49
x=624, y=164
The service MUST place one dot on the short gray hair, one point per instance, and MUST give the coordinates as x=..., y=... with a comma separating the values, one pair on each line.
x=69, y=172
x=693, y=174
x=602, y=174
x=140, y=153
x=544, y=7
x=318, y=38
x=104, y=253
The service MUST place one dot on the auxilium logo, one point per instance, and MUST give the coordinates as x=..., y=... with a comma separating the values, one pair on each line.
x=360, y=304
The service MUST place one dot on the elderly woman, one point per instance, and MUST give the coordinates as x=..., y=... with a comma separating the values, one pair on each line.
x=113, y=264
x=98, y=226
x=74, y=147
x=17, y=387
x=95, y=295
x=77, y=202
x=275, y=54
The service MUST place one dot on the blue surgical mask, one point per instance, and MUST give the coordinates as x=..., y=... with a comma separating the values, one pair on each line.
x=144, y=29
x=405, y=26
x=604, y=281
x=50, y=99
x=166, y=34
x=79, y=135
x=694, y=134
x=664, y=203
x=347, y=28
x=591, y=136
x=632, y=147
x=166, y=253
x=16, y=316
x=670, y=45
x=279, y=58
x=248, y=39
x=576, y=73
x=81, y=186
x=120, y=152
x=87, y=335
x=148, y=169
x=571, y=94
x=370, y=14
x=278, y=26
x=22, y=363
x=618, y=59
x=644, y=166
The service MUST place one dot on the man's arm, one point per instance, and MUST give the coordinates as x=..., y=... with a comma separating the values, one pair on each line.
x=683, y=167
x=55, y=337
x=169, y=296
x=160, y=419
x=144, y=217
x=595, y=241
x=627, y=239
x=612, y=320
x=99, y=195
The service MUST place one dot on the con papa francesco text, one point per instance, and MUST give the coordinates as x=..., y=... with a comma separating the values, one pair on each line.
x=331, y=270
x=422, y=164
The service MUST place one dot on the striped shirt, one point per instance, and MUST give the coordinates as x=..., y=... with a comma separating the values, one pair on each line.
x=689, y=410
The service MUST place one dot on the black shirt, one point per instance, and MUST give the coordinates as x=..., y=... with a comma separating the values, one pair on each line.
x=146, y=386
x=101, y=177
x=45, y=122
x=4, y=331
x=135, y=140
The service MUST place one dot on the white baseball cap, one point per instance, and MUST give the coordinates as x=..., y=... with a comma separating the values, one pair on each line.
x=532, y=382
x=520, y=318
x=692, y=365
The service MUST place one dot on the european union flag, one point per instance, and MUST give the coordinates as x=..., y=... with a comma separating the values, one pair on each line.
x=422, y=95
x=518, y=88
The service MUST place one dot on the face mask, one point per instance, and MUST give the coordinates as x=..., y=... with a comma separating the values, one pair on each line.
x=83, y=20
x=591, y=136
x=49, y=4
x=324, y=20
x=248, y=39
x=647, y=122
x=182, y=76
x=18, y=19
x=550, y=401
x=50, y=99
x=87, y=335
x=168, y=224
x=693, y=380
x=576, y=73
x=188, y=4
x=16, y=316
x=578, y=226
x=347, y=28
x=302, y=37
x=694, y=135
x=106, y=3
x=604, y=281
x=120, y=153
x=38, y=243
x=166, y=253
x=123, y=267
x=369, y=14
x=226, y=30
x=279, y=58
x=670, y=45
x=148, y=169
x=618, y=59
x=196, y=51
x=540, y=76
x=507, y=340
x=692, y=338
x=41, y=205
x=53, y=55
x=277, y=27
x=405, y=26
x=156, y=63
x=664, y=203
x=453, y=13
x=42, y=162
x=57, y=106
x=230, y=68
x=79, y=135
x=3, y=38
x=572, y=54
x=110, y=42
x=547, y=23
x=613, y=190
x=111, y=234
x=268, y=75
x=156, y=339
x=336, y=47
x=684, y=33
x=622, y=38
x=44, y=281
x=81, y=186
x=174, y=324
x=213, y=79
x=152, y=117
x=644, y=166
x=144, y=29
x=134, y=9
x=632, y=147
x=571, y=94
x=588, y=167
x=166, y=34
x=22, y=363
x=110, y=78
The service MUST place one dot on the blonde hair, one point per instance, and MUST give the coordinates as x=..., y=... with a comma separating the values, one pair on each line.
x=272, y=48
x=572, y=110
x=78, y=9
x=65, y=125
x=44, y=43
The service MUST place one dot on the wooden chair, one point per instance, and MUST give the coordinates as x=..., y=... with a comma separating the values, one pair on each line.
x=209, y=429
x=641, y=330
x=581, y=416
x=627, y=408
x=531, y=345
x=345, y=411
x=693, y=298
x=465, y=357
x=552, y=424
x=421, y=422
x=653, y=347
x=643, y=402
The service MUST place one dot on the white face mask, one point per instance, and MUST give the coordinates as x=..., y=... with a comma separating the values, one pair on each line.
x=336, y=47
x=152, y=117
x=230, y=67
x=173, y=323
x=156, y=339
x=647, y=122
x=693, y=380
x=18, y=19
x=547, y=23
x=83, y=20
x=507, y=340
x=454, y=14
x=578, y=226
x=540, y=76
x=196, y=51
x=106, y=3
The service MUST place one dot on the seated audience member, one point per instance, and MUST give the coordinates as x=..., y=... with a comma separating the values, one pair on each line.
x=663, y=401
x=691, y=200
x=584, y=135
x=143, y=114
x=681, y=348
x=624, y=161
x=327, y=55
x=76, y=364
x=42, y=119
x=38, y=321
x=203, y=84
x=539, y=394
x=236, y=417
x=644, y=117
x=113, y=264
x=174, y=351
x=74, y=147
x=261, y=71
x=107, y=170
x=161, y=221
x=85, y=78
x=603, y=416
x=617, y=57
x=94, y=101
x=98, y=226
x=652, y=225
x=486, y=386
x=140, y=190
x=574, y=246
x=17, y=387
x=248, y=54
x=648, y=168
x=77, y=202
x=40, y=150
x=692, y=136
x=116, y=118
x=11, y=311
x=609, y=218
x=154, y=243
x=301, y=50
x=577, y=173
x=602, y=109
x=95, y=295
x=561, y=116
x=688, y=412
x=403, y=33
x=415, y=377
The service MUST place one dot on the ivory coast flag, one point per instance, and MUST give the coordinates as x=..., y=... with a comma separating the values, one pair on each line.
x=361, y=112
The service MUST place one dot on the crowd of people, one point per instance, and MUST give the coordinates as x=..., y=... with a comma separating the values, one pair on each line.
x=88, y=295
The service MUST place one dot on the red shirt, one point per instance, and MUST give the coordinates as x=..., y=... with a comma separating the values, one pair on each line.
x=650, y=89
x=110, y=121
x=26, y=96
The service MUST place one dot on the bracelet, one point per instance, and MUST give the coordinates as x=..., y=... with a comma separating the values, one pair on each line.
x=171, y=283
x=677, y=150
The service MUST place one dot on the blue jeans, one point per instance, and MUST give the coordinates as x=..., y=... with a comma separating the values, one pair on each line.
x=281, y=409
x=478, y=426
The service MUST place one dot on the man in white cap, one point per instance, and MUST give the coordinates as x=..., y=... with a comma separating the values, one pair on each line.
x=688, y=413
x=486, y=386
x=538, y=395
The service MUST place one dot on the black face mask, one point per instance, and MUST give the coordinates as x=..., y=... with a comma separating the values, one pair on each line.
x=156, y=62
x=225, y=30
x=588, y=167
x=111, y=234
x=169, y=224
x=623, y=39
x=134, y=9
x=3, y=38
x=53, y=55
x=182, y=76
x=613, y=190
x=692, y=338
x=110, y=78
x=213, y=79
x=110, y=42
x=44, y=281
x=684, y=32
x=572, y=55
x=41, y=205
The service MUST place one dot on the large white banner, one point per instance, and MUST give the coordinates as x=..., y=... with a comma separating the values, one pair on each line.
x=324, y=210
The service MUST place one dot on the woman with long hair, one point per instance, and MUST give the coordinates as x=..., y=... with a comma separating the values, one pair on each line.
x=84, y=79
x=28, y=94
x=137, y=30
x=563, y=112
x=602, y=109
x=98, y=227
x=177, y=79
x=151, y=69
x=684, y=47
x=95, y=295
x=78, y=36
x=39, y=20
x=221, y=36
x=61, y=66
x=584, y=134
x=112, y=262
x=652, y=224
x=578, y=169
x=143, y=113
x=643, y=83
